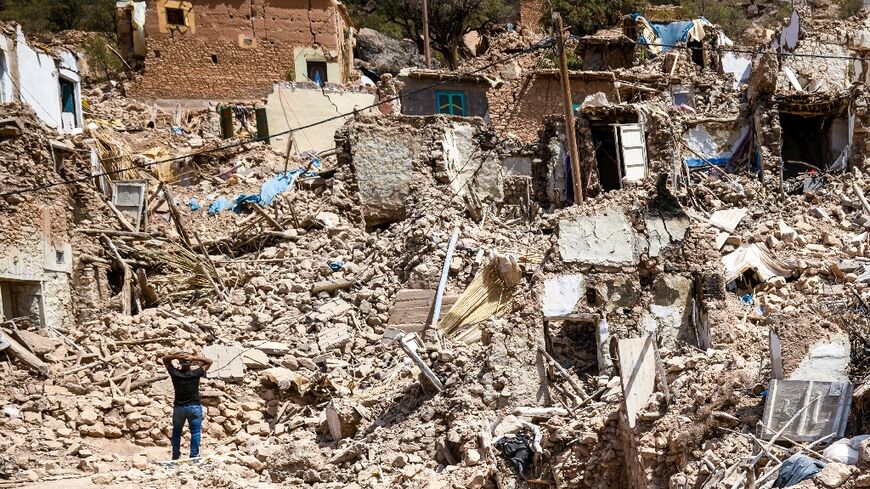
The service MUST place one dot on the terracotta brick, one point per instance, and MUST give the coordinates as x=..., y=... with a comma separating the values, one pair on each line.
x=208, y=61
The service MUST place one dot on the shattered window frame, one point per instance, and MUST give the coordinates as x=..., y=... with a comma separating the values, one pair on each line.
x=449, y=106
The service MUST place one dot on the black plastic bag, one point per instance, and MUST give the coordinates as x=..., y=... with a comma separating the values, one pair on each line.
x=518, y=450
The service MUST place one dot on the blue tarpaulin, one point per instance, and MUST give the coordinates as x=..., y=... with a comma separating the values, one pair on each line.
x=667, y=34
x=673, y=33
x=194, y=204
x=268, y=192
x=698, y=162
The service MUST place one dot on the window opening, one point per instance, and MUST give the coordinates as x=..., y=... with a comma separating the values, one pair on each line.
x=175, y=16
x=451, y=102
x=317, y=72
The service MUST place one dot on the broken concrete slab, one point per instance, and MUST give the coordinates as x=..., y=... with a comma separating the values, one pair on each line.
x=638, y=374
x=272, y=348
x=332, y=309
x=561, y=295
x=228, y=364
x=255, y=359
x=662, y=232
x=671, y=311
x=39, y=344
x=484, y=179
x=605, y=239
x=728, y=219
x=822, y=408
x=384, y=169
x=333, y=337
x=827, y=361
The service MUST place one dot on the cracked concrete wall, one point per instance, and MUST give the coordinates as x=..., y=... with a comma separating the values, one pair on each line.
x=237, y=50
x=291, y=105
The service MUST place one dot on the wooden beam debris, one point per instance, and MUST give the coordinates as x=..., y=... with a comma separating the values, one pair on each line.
x=415, y=357
x=176, y=216
x=24, y=354
x=126, y=288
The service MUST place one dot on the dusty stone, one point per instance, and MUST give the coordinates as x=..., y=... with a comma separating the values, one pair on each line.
x=834, y=475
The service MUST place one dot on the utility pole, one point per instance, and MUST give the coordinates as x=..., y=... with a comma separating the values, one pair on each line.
x=426, y=53
x=570, y=128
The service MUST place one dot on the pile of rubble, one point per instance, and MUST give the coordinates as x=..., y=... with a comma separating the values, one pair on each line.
x=419, y=307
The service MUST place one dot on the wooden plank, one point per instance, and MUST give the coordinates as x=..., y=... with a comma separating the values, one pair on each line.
x=413, y=306
x=637, y=367
x=24, y=355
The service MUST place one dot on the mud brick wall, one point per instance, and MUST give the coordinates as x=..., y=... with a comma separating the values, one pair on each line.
x=522, y=112
x=531, y=12
x=235, y=50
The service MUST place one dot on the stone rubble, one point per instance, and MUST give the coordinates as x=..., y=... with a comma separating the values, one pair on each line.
x=309, y=386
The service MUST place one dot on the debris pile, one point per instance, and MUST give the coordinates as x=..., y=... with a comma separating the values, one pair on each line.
x=421, y=306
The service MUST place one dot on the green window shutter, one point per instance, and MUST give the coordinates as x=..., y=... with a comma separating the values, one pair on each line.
x=450, y=102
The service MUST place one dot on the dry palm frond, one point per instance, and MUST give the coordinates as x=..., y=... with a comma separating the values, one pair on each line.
x=114, y=156
x=185, y=274
x=488, y=294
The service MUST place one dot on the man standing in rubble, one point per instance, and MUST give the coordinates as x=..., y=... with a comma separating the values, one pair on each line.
x=187, y=405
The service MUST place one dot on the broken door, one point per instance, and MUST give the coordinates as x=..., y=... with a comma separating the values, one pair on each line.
x=129, y=198
x=631, y=148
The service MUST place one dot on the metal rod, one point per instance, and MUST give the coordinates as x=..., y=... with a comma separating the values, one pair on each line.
x=439, y=294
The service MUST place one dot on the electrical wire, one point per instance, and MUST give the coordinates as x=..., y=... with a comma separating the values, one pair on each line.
x=372, y=258
x=547, y=42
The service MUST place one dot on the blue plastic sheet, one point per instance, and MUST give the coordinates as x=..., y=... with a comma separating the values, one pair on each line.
x=698, y=162
x=194, y=204
x=668, y=33
x=277, y=185
x=270, y=189
x=673, y=33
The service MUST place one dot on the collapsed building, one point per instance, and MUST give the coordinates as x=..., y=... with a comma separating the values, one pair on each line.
x=46, y=79
x=424, y=307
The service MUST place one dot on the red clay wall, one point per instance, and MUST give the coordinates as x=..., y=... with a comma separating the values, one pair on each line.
x=252, y=40
x=525, y=115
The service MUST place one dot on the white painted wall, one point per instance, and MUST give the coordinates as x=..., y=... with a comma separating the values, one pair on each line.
x=5, y=77
x=36, y=75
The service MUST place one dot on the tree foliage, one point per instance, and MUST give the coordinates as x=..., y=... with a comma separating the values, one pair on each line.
x=98, y=49
x=587, y=16
x=59, y=15
x=449, y=20
x=730, y=17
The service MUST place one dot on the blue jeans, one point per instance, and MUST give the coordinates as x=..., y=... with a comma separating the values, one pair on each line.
x=193, y=415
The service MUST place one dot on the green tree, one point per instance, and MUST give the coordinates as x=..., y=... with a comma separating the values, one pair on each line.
x=449, y=20
x=98, y=49
x=587, y=16
x=54, y=15
x=730, y=17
